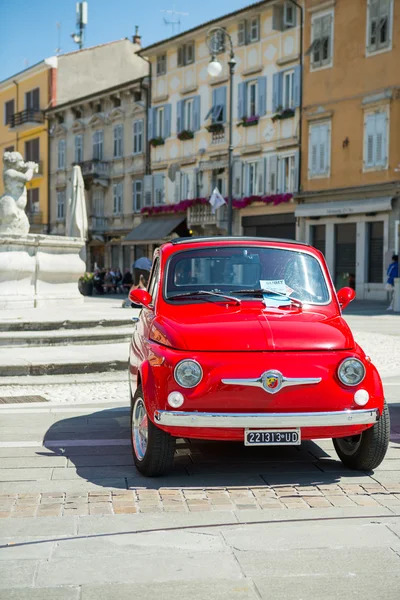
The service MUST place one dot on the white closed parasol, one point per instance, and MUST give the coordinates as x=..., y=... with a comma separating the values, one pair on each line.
x=76, y=220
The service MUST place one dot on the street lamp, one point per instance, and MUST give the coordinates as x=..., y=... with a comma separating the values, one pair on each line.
x=216, y=43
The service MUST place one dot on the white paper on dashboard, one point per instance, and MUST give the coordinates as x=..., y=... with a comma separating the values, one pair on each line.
x=274, y=285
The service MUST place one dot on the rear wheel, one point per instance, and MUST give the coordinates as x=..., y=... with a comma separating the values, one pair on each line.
x=153, y=449
x=366, y=451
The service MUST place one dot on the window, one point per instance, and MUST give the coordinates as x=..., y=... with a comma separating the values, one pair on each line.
x=117, y=196
x=251, y=99
x=322, y=38
x=375, y=140
x=217, y=111
x=375, y=252
x=33, y=201
x=32, y=151
x=32, y=99
x=248, y=31
x=78, y=149
x=138, y=136
x=98, y=142
x=148, y=190
x=218, y=180
x=252, y=178
x=159, y=196
x=186, y=54
x=98, y=202
x=319, y=150
x=60, y=205
x=160, y=122
x=188, y=114
x=118, y=141
x=61, y=155
x=287, y=183
x=379, y=24
x=161, y=64
x=137, y=195
x=9, y=110
x=287, y=89
x=289, y=15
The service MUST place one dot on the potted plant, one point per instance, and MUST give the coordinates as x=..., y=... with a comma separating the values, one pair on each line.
x=157, y=141
x=215, y=128
x=249, y=121
x=186, y=134
x=85, y=284
x=283, y=113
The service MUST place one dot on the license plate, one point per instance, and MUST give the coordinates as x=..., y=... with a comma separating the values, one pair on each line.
x=272, y=437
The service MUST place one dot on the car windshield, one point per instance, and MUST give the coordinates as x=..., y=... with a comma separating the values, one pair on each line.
x=248, y=272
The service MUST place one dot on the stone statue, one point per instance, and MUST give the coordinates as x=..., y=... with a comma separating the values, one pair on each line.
x=17, y=173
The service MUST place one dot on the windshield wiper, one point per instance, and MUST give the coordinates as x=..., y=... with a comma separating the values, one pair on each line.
x=263, y=292
x=204, y=293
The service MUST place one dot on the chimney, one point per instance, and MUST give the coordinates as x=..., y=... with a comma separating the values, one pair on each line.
x=137, y=38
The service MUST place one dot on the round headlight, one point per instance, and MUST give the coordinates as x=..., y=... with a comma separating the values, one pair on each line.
x=351, y=371
x=188, y=373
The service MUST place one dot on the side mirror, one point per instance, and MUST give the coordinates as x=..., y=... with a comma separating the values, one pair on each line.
x=345, y=296
x=140, y=297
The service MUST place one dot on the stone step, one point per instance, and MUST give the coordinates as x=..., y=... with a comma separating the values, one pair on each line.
x=58, y=360
x=36, y=325
x=64, y=337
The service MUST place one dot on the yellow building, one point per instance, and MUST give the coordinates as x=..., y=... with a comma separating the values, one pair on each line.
x=24, y=97
x=349, y=203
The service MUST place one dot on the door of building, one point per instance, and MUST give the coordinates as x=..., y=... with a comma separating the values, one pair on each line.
x=345, y=255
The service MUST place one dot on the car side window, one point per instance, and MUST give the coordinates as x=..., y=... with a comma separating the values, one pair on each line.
x=154, y=281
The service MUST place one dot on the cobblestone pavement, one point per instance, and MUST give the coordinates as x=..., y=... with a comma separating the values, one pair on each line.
x=57, y=504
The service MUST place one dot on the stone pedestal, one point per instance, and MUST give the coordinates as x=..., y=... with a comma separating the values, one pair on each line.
x=39, y=271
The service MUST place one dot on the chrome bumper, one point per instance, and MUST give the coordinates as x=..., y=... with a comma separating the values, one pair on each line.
x=257, y=420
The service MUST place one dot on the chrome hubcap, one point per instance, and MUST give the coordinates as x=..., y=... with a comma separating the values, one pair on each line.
x=349, y=445
x=140, y=430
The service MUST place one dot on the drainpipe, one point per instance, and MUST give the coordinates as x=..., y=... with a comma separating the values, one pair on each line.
x=148, y=105
x=297, y=5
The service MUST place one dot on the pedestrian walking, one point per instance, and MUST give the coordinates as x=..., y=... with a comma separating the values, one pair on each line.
x=392, y=273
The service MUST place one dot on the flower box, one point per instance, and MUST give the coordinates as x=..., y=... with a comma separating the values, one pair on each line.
x=157, y=141
x=249, y=121
x=216, y=128
x=288, y=113
x=186, y=134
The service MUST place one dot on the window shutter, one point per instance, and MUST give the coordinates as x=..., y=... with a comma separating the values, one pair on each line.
x=180, y=56
x=151, y=122
x=158, y=189
x=277, y=17
x=296, y=86
x=148, y=190
x=196, y=113
x=262, y=96
x=380, y=128
x=242, y=33
x=221, y=101
x=324, y=150
x=260, y=177
x=241, y=100
x=245, y=175
x=167, y=120
x=313, y=150
x=296, y=171
x=276, y=91
x=179, y=116
x=237, y=179
x=273, y=173
x=369, y=141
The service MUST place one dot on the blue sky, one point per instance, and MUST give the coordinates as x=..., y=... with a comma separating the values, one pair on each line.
x=28, y=30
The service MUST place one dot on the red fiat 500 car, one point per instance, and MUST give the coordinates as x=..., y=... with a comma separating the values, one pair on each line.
x=243, y=339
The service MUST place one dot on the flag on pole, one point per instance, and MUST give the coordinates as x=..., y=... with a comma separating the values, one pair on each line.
x=216, y=200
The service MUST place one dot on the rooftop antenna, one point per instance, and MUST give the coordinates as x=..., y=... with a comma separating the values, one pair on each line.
x=58, y=49
x=175, y=21
x=81, y=22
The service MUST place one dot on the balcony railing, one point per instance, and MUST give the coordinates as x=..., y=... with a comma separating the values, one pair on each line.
x=26, y=117
x=202, y=215
x=99, y=224
x=95, y=168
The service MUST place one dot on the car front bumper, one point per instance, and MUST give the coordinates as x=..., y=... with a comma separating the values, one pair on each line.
x=170, y=418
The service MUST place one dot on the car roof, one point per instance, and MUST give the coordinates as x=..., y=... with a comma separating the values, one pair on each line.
x=199, y=239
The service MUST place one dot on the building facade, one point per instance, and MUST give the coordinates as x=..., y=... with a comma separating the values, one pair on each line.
x=349, y=203
x=23, y=128
x=189, y=119
x=104, y=133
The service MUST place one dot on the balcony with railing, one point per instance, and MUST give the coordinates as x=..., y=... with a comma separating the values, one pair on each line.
x=26, y=118
x=95, y=169
x=98, y=224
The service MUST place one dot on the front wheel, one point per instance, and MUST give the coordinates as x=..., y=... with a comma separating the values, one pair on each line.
x=366, y=451
x=153, y=449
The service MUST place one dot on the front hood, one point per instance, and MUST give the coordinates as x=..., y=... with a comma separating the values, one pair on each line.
x=257, y=330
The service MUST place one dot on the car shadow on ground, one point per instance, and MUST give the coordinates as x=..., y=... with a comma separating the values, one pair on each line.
x=104, y=458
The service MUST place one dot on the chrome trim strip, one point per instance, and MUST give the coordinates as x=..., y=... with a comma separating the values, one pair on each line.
x=257, y=420
x=282, y=381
